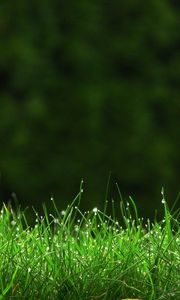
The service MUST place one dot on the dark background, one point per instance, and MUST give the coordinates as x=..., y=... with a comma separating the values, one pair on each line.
x=88, y=88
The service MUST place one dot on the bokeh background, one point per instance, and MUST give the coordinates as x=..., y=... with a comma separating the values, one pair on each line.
x=87, y=88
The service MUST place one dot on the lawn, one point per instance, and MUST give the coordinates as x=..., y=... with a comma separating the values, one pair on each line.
x=89, y=255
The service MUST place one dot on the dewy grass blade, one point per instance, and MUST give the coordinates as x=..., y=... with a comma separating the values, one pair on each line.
x=9, y=285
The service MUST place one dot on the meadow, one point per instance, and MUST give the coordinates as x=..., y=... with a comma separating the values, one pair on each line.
x=89, y=255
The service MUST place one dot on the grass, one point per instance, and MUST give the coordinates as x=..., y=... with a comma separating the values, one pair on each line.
x=76, y=255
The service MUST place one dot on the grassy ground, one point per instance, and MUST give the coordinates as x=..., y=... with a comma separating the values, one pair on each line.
x=75, y=255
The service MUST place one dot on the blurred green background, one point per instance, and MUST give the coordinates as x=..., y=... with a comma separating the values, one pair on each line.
x=88, y=88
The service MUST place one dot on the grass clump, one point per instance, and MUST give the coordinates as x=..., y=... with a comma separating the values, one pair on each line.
x=76, y=255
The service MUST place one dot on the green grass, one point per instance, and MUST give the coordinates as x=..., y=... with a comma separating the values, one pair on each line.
x=75, y=255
